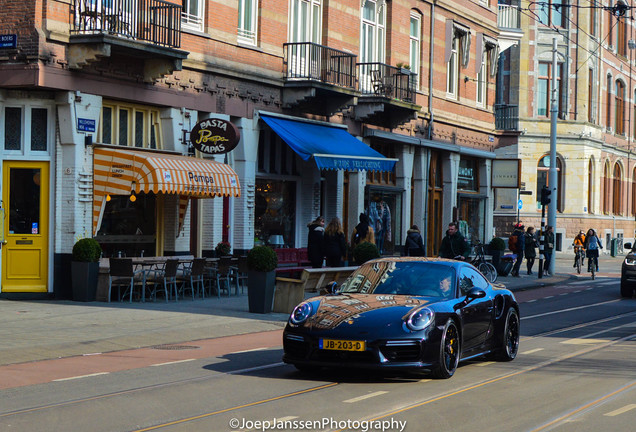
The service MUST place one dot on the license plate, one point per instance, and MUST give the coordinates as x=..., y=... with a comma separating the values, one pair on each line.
x=342, y=345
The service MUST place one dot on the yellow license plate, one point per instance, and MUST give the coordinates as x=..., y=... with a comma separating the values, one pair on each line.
x=342, y=345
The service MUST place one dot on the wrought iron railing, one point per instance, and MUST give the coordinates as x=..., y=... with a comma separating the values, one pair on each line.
x=154, y=21
x=509, y=17
x=310, y=61
x=507, y=117
x=381, y=79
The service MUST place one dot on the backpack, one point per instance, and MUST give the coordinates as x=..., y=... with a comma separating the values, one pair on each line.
x=512, y=243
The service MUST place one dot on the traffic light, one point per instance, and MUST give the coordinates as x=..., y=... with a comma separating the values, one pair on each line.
x=545, y=195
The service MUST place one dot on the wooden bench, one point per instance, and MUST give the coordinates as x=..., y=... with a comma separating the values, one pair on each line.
x=291, y=261
x=289, y=291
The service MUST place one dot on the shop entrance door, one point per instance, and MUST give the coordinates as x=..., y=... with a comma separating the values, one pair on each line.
x=26, y=202
x=435, y=225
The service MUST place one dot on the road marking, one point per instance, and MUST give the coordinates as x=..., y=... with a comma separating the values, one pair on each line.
x=172, y=362
x=91, y=354
x=580, y=282
x=548, y=297
x=82, y=376
x=485, y=363
x=284, y=419
x=367, y=396
x=425, y=380
x=531, y=301
x=564, y=294
x=532, y=351
x=580, y=341
x=570, y=309
x=608, y=283
x=249, y=350
x=620, y=410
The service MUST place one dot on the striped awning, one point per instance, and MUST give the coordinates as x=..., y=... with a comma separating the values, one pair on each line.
x=122, y=171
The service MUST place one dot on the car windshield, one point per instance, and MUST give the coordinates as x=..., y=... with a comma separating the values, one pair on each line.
x=403, y=277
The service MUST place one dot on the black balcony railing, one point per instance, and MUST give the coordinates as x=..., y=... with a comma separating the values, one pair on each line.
x=310, y=61
x=154, y=21
x=507, y=117
x=387, y=81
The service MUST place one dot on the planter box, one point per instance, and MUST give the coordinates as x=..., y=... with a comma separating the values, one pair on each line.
x=84, y=280
x=260, y=291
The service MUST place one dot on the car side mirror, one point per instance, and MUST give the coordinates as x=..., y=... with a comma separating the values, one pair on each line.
x=475, y=293
x=628, y=245
x=332, y=287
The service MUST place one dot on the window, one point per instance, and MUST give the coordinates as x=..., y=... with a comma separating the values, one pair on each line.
x=542, y=180
x=415, y=45
x=481, y=82
x=552, y=13
x=621, y=42
x=26, y=129
x=192, y=14
x=373, y=32
x=606, y=188
x=593, y=18
x=617, y=193
x=247, y=19
x=452, y=71
x=544, y=87
x=130, y=125
x=590, y=187
x=634, y=192
x=590, y=96
x=457, y=50
x=619, y=102
x=608, y=105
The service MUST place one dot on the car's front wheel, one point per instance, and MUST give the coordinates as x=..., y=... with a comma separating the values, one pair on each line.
x=510, y=339
x=449, y=351
x=626, y=289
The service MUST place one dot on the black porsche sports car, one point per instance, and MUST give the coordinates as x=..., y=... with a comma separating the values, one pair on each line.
x=404, y=314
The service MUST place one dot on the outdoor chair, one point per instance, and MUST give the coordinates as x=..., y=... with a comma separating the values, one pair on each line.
x=165, y=277
x=224, y=273
x=122, y=273
x=194, y=275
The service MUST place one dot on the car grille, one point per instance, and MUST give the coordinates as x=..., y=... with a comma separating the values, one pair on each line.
x=344, y=356
x=295, y=346
x=401, y=351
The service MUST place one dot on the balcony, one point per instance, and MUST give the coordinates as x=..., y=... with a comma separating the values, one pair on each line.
x=509, y=23
x=318, y=79
x=387, y=95
x=507, y=117
x=149, y=30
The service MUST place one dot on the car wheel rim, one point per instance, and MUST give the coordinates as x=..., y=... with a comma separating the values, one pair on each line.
x=512, y=335
x=451, y=348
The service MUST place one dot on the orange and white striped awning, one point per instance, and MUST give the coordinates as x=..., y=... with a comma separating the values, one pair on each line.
x=122, y=171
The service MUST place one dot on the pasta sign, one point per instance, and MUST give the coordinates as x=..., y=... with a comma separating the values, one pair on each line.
x=215, y=136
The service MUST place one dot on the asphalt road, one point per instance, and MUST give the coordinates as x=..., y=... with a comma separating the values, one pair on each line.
x=575, y=372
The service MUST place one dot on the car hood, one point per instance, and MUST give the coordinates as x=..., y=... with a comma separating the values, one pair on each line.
x=362, y=312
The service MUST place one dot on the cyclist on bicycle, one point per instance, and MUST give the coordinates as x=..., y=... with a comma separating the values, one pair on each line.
x=592, y=245
x=579, y=244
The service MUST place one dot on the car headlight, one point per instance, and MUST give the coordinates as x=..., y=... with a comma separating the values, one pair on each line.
x=630, y=260
x=420, y=319
x=300, y=313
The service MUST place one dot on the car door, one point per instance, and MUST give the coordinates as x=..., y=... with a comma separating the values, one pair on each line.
x=476, y=315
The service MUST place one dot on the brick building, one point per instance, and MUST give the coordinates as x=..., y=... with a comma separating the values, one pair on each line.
x=342, y=107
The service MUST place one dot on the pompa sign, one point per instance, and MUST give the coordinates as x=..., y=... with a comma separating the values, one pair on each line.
x=214, y=136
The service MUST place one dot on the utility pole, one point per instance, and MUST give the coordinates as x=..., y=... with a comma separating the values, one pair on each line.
x=552, y=173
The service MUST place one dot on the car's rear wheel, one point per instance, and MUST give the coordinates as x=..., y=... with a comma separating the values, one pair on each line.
x=510, y=340
x=626, y=289
x=449, y=351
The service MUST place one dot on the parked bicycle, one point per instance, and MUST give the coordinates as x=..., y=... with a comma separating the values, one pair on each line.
x=486, y=268
x=580, y=258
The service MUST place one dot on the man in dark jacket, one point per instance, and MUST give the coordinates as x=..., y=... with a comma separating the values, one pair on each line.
x=518, y=247
x=315, y=242
x=454, y=245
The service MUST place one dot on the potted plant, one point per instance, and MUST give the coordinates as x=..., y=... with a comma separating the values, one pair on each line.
x=261, y=278
x=496, y=248
x=85, y=269
x=223, y=248
x=364, y=252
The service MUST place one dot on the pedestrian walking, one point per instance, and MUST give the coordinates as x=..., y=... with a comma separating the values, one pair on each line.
x=516, y=244
x=454, y=245
x=548, y=247
x=335, y=244
x=414, y=245
x=530, y=248
x=315, y=242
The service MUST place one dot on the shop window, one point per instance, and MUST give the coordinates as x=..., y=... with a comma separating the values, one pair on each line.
x=384, y=209
x=468, y=175
x=383, y=178
x=274, y=156
x=26, y=129
x=129, y=228
x=472, y=217
x=130, y=125
x=275, y=212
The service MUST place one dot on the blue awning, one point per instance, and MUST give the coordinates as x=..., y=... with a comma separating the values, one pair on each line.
x=331, y=147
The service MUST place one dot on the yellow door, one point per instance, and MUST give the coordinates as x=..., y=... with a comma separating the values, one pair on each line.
x=25, y=197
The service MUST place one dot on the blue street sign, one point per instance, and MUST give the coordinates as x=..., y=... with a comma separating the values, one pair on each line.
x=9, y=41
x=85, y=125
x=519, y=204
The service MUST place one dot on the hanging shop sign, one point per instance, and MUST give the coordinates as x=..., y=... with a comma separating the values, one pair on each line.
x=215, y=136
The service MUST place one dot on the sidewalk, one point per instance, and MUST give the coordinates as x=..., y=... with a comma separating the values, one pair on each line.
x=47, y=329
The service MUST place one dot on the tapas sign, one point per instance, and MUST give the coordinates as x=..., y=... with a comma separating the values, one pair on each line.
x=215, y=136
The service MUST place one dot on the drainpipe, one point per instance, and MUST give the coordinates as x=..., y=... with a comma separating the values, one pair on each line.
x=430, y=71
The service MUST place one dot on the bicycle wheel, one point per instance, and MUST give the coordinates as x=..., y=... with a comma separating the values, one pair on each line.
x=591, y=267
x=578, y=264
x=489, y=271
